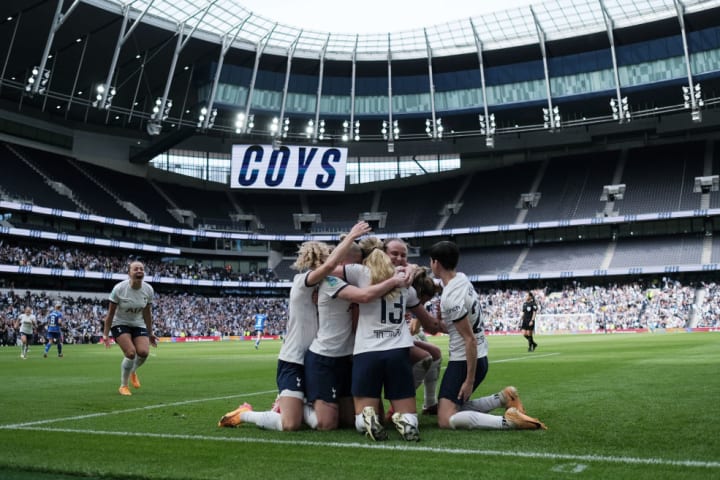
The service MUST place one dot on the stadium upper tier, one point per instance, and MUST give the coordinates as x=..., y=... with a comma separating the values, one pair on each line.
x=588, y=189
x=172, y=71
x=644, y=210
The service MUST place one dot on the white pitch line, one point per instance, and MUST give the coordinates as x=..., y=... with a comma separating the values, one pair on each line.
x=527, y=357
x=405, y=447
x=188, y=402
x=539, y=455
x=136, y=409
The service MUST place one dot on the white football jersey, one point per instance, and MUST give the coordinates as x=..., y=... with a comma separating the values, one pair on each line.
x=459, y=303
x=381, y=323
x=130, y=303
x=302, y=321
x=26, y=323
x=334, y=335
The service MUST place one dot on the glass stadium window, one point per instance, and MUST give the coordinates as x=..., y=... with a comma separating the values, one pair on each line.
x=366, y=170
x=215, y=167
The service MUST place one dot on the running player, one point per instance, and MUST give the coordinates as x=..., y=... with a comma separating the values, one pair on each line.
x=260, y=319
x=129, y=317
x=54, y=334
x=26, y=324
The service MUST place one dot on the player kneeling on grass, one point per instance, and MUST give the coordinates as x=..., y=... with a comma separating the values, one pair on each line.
x=381, y=354
x=468, y=364
x=290, y=410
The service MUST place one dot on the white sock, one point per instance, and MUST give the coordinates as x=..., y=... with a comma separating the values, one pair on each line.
x=419, y=370
x=126, y=367
x=468, y=420
x=310, y=417
x=483, y=404
x=359, y=423
x=267, y=420
x=410, y=418
x=138, y=361
x=431, y=379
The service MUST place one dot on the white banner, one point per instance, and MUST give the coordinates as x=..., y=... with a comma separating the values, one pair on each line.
x=288, y=167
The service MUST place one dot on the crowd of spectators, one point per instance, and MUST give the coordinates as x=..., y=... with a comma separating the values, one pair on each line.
x=665, y=303
x=195, y=315
x=709, y=310
x=574, y=308
x=84, y=260
x=174, y=315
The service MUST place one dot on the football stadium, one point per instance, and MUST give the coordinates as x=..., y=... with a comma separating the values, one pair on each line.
x=184, y=184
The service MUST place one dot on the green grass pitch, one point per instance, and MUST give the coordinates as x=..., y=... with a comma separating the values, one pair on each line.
x=632, y=406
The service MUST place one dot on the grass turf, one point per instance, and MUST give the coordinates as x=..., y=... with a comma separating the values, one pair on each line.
x=640, y=406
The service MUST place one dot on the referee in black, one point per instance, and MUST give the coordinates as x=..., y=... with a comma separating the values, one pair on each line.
x=529, y=311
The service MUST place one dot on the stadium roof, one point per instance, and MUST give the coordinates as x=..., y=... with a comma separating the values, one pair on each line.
x=147, y=50
x=219, y=20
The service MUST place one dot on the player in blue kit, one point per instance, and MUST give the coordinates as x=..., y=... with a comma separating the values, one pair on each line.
x=54, y=335
x=260, y=319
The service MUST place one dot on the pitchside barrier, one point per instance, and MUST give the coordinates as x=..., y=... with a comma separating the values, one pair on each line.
x=237, y=338
x=218, y=338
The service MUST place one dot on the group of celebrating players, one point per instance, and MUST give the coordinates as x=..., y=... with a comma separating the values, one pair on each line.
x=348, y=341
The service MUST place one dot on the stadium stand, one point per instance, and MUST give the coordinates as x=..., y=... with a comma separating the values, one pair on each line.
x=664, y=250
x=564, y=256
x=492, y=196
x=139, y=191
x=487, y=261
x=26, y=184
x=571, y=187
x=273, y=211
x=84, y=189
x=209, y=207
x=660, y=179
x=338, y=211
x=417, y=208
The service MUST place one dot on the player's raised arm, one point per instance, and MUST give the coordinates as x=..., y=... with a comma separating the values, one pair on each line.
x=338, y=254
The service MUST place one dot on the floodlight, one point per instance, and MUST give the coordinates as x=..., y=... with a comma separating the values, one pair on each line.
x=106, y=92
x=37, y=82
